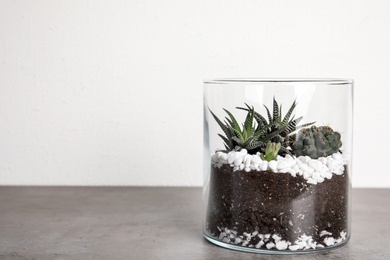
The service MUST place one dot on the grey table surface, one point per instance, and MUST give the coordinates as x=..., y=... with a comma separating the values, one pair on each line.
x=150, y=223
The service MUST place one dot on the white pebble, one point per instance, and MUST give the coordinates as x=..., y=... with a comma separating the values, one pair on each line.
x=254, y=166
x=305, y=168
x=337, y=156
x=307, y=175
x=276, y=237
x=260, y=244
x=231, y=157
x=316, y=165
x=281, y=245
x=273, y=165
x=330, y=163
x=247, y=160
x=294, y=247
x=264, y=166
x=270, y=245
x=247, y=169
x=238, y=161
x=305, y=238
x=224, y=157
x=222, y=235
x=285, y=170
x=311, y=243
x=338, y=170
x=322, y=160
x=286, y=164
x=226, y=240
x=343, y=234
x=316, y=176
x=329, y=241
x=238, y=240
x=241, y=167
x=311, y=181
x=256, y=159
x=302, y=245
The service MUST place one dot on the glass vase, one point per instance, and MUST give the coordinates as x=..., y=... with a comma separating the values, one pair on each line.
x=277, y=164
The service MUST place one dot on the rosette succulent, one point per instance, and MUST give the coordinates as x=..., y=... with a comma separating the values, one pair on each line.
x=256, y=131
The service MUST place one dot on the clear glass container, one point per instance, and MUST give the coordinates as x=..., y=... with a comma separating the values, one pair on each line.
x=277, y=164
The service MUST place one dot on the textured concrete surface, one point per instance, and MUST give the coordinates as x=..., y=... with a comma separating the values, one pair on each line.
x=150, y=223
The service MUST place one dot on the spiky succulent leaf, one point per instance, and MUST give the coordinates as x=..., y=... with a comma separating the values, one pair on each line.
x=233, y=121
x=289, y=112
x=261, y=121
x=275, y=111
x=248, y=125
x=222, y=125
x=270, y=120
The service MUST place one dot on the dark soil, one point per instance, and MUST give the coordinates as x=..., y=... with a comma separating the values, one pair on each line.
x=276, y=203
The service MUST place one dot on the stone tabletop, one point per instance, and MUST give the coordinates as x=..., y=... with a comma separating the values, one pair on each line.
x=150, y=223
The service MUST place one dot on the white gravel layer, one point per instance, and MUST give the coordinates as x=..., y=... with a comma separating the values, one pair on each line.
x=271, y=241
x=313, y=170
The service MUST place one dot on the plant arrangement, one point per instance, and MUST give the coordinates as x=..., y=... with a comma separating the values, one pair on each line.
x=271, y=161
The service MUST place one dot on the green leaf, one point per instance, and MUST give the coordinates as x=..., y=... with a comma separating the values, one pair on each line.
x=248, y=125
x=224, y=127
x=234, y=123
x=260, y=132
x=228, y=142
x=269, y=115
x=237, y=140
x=291, y=126
x=289, y=112
x=275, y=111
x=254, y=145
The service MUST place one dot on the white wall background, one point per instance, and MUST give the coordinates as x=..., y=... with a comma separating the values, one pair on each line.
x=110, y=92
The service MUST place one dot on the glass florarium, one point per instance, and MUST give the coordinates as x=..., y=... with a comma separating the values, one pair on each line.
x=277, y=164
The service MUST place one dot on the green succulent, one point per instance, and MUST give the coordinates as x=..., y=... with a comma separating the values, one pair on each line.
x=271, y=151
x=250, y=136
x=256, y=131
x=315, y=142
x=282, y=126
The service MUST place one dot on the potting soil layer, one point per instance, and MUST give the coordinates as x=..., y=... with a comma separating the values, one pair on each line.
x=276, y=211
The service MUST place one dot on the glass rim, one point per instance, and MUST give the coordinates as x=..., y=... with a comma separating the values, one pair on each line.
x=331, y=81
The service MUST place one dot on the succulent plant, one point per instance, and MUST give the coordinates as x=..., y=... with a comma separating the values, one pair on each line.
x=249, y=137
x=256, y=131
x=281, y=126
x=315, y=142
x=271, y=151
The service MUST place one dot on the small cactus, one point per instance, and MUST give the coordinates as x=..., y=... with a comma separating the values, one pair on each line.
x=315, y=142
